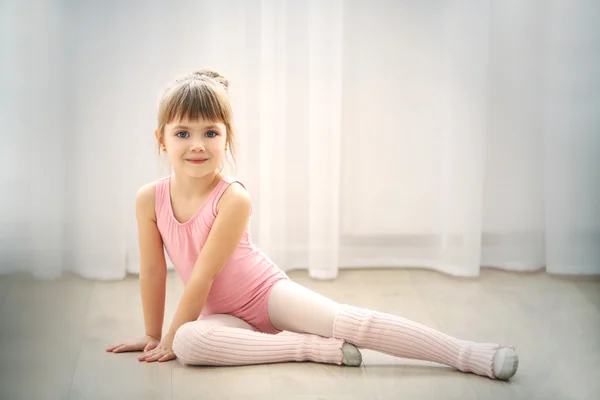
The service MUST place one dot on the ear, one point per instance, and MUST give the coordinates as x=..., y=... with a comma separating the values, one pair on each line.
x=158, y=138
x=161, y=145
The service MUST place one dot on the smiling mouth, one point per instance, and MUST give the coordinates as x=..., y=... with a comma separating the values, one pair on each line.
x=197, y=160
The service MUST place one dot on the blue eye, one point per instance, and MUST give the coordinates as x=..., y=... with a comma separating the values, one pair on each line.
x=211, y=134
x=179, y=134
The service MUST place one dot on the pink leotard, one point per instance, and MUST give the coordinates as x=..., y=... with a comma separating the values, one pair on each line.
x=242, y=287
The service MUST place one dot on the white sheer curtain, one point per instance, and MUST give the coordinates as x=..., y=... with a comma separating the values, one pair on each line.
x=445, y=135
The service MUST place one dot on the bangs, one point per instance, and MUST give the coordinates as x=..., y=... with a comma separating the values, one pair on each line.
x=195, y=100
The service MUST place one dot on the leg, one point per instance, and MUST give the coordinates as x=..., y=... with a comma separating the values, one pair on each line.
x=226, y=340
x=293, y=307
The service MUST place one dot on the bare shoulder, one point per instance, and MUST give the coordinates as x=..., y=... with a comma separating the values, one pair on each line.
x=145, y=199
x=235, y=199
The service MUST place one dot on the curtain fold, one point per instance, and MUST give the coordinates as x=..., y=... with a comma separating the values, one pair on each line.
x=325, y=36
x=571, y=125
x=441, y=135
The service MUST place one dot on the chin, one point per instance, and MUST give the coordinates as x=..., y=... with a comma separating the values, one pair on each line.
x=196, y=172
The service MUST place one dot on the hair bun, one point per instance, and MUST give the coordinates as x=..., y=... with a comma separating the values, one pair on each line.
x=211, y=73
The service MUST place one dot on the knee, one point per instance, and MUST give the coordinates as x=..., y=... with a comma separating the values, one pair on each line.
x=190, y=344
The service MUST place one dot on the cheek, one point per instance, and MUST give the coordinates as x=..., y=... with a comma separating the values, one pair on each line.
x=217, y=147
x=175, y=149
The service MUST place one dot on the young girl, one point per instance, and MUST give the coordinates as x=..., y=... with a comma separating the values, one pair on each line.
x=236, y=300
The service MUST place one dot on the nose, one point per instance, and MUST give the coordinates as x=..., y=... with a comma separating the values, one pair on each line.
x=197, y=145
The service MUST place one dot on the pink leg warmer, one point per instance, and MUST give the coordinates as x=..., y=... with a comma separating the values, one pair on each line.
x=199, y=343
x=400, y=337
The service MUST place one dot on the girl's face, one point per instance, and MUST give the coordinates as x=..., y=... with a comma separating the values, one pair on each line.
x=195, y=148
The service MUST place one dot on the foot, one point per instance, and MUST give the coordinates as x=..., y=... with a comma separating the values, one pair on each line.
x=351, y=355
x=506, y=362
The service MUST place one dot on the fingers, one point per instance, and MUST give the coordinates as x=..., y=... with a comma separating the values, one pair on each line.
x=124, y=348
x=111, y=348
x=118, y=348
x=152, y=355
x=115, y=347
x=155, y=357
x=159, y=355
x=167, y=357
x=147, y=354
x=150, y=346
x=150, y=351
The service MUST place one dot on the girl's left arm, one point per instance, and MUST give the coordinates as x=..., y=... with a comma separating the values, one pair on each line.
x=233, y=213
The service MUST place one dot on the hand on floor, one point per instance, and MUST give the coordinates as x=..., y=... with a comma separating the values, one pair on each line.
x=146, y=343
x=161, y=353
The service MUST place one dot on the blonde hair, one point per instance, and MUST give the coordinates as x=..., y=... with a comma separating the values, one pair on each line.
x=203, y=94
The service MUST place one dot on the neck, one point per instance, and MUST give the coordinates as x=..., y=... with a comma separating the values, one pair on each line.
x=191, y=187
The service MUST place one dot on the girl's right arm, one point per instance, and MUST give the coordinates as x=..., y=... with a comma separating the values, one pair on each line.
x=153, y=274
x=153, y=267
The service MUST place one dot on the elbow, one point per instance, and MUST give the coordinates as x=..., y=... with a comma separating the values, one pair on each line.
x=153, y=271
x=206, y=274
x=201, y=283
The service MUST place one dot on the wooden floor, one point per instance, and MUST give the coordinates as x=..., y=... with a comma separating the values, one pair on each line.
x=53, y=336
